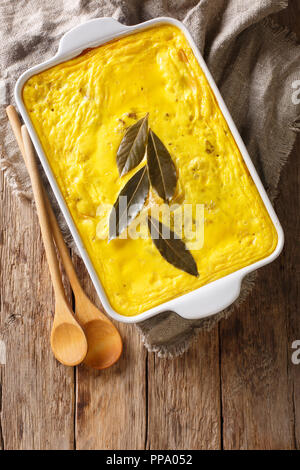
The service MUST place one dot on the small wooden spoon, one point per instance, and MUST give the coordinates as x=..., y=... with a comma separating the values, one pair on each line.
x=104, y=341
x=68, y=341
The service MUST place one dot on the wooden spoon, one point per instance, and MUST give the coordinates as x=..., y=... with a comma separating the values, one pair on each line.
x=104, y=341
x=68, y=341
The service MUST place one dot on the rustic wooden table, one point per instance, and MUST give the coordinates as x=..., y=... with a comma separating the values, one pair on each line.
x=236, y=388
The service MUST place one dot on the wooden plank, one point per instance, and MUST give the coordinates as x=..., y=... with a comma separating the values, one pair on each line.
x=111, y=404
x=36, y=409
x=261, y=408
x=184, y=398
x=290, y=191
x=257, y=412
x=259, y=382
x=289, y=277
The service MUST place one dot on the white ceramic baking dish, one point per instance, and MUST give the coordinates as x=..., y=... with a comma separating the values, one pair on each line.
x=206, y=300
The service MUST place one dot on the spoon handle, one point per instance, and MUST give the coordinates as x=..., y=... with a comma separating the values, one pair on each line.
x=16, y=127
x=42, y=215
x=56, y=232
x=63, y=250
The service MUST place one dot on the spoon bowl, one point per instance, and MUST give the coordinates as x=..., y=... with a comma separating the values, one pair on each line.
x=104, y=340
x=68, y=343
x=105, y=344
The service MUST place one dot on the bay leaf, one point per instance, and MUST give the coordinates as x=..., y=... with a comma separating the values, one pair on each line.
x=171, y=248
x=125, y=210
x=162, y=171
x=132, y=148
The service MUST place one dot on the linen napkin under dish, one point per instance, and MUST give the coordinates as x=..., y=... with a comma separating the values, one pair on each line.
x=254, y=62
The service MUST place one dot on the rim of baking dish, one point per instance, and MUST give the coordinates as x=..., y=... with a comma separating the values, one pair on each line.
x=209, y=289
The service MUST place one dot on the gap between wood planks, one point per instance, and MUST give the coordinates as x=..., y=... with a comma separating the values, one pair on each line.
x=1, y=432
x=220, y=375
x=146, y=403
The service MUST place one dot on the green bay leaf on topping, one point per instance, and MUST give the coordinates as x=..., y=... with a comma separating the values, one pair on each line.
x=172, y=249
x=132, y=148
x=129, y=202
x=162, y=171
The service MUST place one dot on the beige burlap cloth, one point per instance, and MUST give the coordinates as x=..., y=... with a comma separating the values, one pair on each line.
x=254, y=62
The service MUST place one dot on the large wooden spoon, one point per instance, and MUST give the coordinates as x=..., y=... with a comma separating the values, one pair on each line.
x=104, y=341
x=68, y=341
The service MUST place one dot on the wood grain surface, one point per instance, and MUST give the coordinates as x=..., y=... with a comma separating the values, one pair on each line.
x=236, y=388
x=37, y=399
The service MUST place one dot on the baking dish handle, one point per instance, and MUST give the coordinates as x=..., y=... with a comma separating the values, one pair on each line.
x=209, y=299
x=89, y=34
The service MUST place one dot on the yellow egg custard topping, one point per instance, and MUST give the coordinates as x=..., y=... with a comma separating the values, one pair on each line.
x=80, y=110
